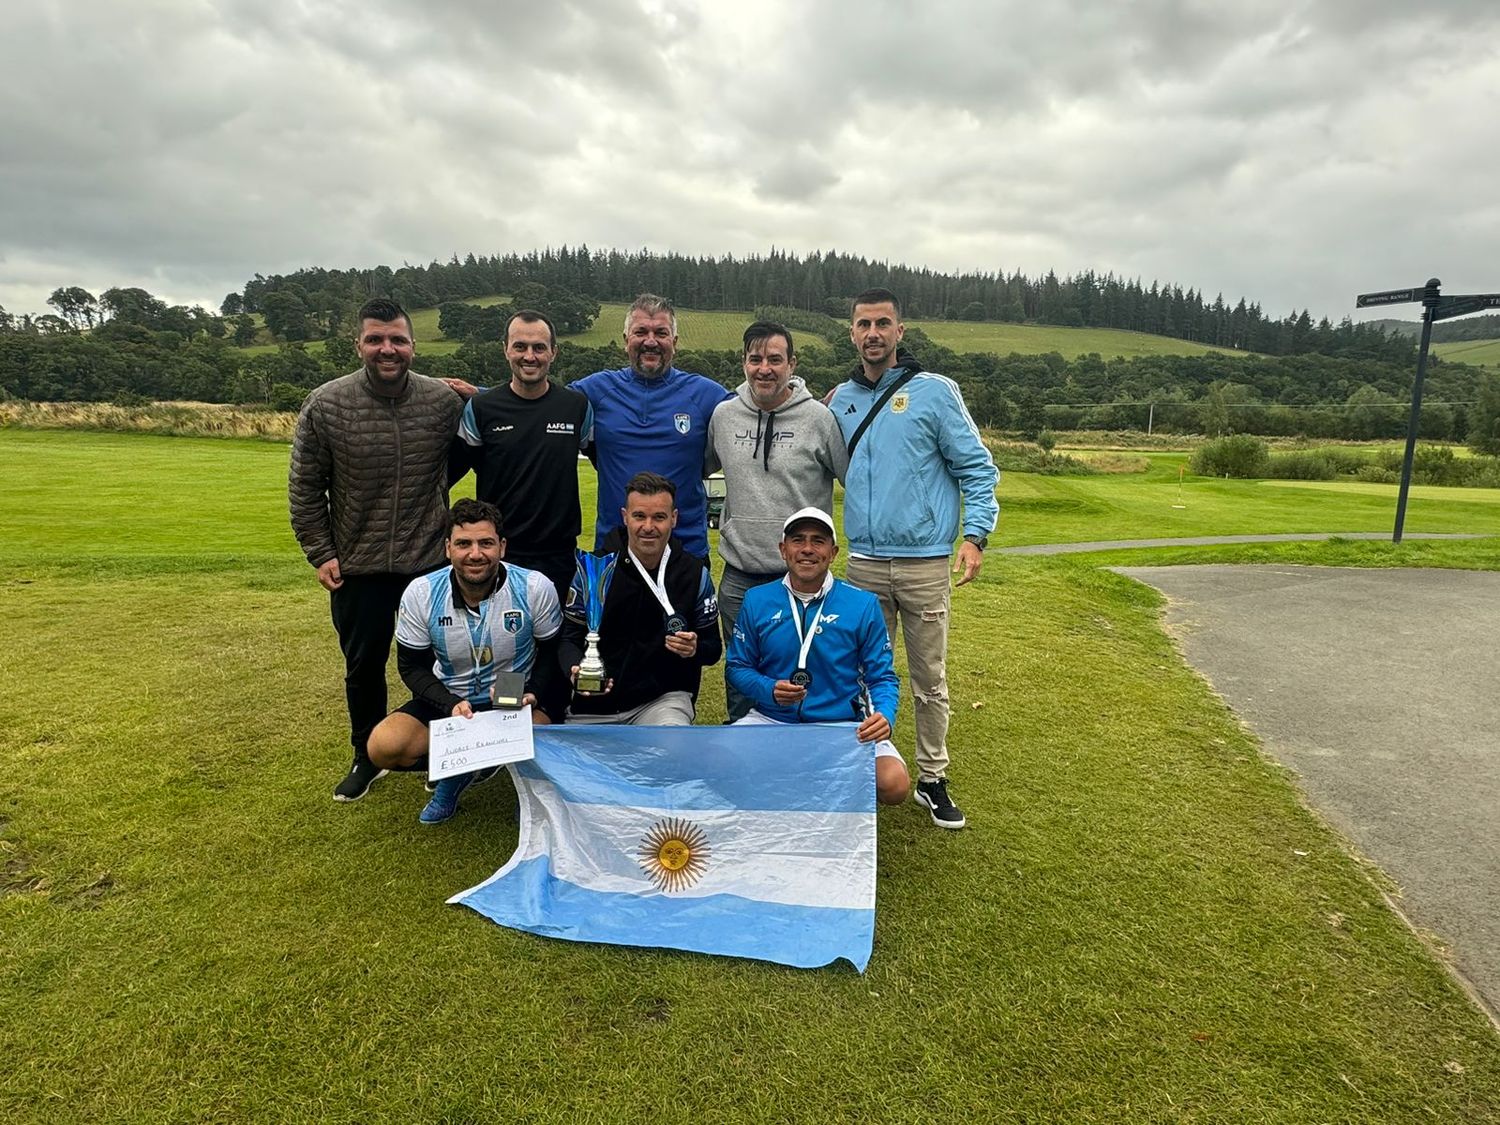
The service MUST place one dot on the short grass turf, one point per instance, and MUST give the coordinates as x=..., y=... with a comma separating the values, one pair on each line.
x=1142, y=922
x=1058, y=509
x=1479, y=353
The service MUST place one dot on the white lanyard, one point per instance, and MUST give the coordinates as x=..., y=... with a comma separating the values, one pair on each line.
x=812, y=630
x=659, y=588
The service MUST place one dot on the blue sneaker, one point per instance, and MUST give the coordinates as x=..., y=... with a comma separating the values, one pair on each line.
x=444, y=802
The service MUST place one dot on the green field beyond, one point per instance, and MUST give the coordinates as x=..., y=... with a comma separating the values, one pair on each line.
x=1480, y=353
x=720, y=330
x=1143, y=922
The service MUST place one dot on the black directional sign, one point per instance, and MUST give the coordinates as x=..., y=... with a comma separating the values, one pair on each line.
x=1456, y=306
x=1389, y=297
x=1434, y=307
x=1464, y=304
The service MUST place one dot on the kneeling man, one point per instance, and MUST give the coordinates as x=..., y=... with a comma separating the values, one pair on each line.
x=660, y=624
x=456, y=630
x=813, y=649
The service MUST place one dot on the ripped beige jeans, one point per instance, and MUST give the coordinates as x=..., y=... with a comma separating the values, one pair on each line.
x=918, y=593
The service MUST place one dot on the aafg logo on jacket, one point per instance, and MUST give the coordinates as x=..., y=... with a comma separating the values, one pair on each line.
x=512, y=620
x=683, y=422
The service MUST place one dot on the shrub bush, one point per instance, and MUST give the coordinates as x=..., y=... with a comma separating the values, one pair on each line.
x=1377, y=474
x=284, y=396
x=1238, y=455
x=1300, y=464
x=1348, y=461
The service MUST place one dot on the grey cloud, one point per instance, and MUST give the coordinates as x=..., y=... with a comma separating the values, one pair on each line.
x=1274, y=149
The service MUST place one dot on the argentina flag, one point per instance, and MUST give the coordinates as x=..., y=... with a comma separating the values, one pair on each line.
x=742, y=841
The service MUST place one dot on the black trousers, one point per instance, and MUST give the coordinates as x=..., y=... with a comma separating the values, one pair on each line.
x=364, y=616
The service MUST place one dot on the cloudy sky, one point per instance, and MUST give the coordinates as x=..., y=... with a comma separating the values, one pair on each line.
x=1293, y=153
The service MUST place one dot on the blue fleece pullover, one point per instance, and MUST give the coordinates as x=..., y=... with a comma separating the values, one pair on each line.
x=920, y=454
x=652, y=425
x=850, y=653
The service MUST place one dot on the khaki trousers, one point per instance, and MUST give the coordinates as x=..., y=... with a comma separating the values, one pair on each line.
x=917, y=593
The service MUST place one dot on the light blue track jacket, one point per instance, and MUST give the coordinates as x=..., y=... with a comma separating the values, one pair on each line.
x=850, y=654
x=918, y=457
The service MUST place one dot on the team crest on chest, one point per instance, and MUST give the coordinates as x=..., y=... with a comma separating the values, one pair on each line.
x=512, y=620
x=683, y=422
x=900, y=402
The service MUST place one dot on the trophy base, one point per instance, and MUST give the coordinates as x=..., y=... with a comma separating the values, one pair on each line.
x=590, y=681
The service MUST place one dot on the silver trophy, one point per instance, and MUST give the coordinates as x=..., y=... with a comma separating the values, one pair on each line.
x=595, y=572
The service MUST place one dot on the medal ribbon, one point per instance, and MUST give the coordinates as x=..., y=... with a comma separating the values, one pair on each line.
x=806, y=637
x=659, y=588
x=479, y=639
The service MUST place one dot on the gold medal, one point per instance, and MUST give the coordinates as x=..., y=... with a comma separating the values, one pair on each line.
x=486, y=654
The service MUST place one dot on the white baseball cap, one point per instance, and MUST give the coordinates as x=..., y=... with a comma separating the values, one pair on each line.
x=810, y=514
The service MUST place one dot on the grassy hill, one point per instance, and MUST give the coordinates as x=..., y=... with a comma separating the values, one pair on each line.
x=1479, y=353
x=722, y=330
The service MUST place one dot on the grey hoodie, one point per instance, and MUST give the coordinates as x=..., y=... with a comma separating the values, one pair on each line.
x=774, y=463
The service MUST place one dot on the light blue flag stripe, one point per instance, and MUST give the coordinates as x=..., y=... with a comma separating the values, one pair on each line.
x=805, y=768
x=805, y=937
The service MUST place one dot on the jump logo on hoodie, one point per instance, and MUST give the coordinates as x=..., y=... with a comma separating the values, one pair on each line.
x=683, y=422
x=748, y=439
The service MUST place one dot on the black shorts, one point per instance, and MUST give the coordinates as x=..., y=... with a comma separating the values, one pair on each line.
x=424, y=713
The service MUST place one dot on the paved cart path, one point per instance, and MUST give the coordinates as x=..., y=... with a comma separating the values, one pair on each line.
x=1381, y=688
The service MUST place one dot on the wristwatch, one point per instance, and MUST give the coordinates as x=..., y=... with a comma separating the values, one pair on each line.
x=980, y=541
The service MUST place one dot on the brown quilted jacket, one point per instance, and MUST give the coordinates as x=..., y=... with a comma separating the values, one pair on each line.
x=369, y=477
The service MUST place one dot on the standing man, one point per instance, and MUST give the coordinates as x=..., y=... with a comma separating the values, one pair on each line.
x=913, y=453
x=650, y=416
x=524, y=438
x=812, y=649
x=780, y=450
x=369, y=504
x=660, y=627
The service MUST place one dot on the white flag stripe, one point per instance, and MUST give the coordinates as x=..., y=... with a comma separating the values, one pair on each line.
x=598, y=847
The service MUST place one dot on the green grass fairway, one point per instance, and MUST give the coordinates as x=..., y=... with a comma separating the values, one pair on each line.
x=1389, y=491
x=716, y=330
x=721, y=330
x=1480, y=353
x=1039, y=509
x=1143, y=923
x=1002, y=339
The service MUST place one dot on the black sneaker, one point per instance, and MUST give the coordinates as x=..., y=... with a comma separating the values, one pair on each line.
x=358, y=780
x=933, y=796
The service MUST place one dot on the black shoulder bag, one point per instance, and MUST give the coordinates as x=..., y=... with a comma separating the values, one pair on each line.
x=901, y=381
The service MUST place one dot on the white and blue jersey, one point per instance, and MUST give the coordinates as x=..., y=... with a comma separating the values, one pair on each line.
x=850, y=653
x=471, y=646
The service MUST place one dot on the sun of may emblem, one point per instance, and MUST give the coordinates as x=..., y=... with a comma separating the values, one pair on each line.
x=674, y=854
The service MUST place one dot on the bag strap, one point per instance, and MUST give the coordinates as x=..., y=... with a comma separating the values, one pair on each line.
x=900, y=381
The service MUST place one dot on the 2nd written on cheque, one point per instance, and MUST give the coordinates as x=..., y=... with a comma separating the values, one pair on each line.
x=490, y=738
